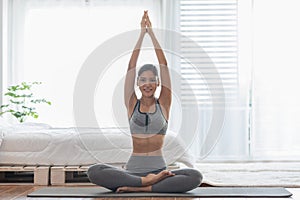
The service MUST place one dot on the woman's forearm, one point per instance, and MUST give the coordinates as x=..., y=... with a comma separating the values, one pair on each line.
x=136, y=51
x=159, y=52
x=164, y=71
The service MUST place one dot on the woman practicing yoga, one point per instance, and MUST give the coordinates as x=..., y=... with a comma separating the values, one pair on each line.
x=148, y=119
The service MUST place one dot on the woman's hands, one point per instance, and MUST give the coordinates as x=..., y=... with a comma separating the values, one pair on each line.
x=146, y=26
x=148, y=23
x=143, y=23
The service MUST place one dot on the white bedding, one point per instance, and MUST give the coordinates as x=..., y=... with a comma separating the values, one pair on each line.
x=83, y=146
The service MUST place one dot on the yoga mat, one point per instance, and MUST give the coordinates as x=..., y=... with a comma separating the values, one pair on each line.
x=198, y=192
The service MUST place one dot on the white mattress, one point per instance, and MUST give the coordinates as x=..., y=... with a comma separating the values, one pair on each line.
x=79, y=146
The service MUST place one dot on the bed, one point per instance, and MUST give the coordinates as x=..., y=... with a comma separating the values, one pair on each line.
x=40, y=144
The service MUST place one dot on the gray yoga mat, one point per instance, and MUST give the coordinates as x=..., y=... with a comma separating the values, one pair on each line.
x=198, y=192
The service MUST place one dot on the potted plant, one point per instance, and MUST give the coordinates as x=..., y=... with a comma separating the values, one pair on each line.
x=21, y=101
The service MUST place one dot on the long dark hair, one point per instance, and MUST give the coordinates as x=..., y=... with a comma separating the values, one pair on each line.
x=148, y=67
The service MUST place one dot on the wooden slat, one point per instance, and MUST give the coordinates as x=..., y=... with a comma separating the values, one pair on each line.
x=75, y=168
x=59, y=175
x=40, y=174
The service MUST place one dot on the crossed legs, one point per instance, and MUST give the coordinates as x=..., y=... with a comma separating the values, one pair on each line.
x=119, y=180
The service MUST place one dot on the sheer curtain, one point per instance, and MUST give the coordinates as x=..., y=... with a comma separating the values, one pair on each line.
x=213, y=25
x=276, y=97
x=50, y=40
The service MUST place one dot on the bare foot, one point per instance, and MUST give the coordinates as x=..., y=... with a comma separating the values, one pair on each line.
x=151, y=179
x=134, y=189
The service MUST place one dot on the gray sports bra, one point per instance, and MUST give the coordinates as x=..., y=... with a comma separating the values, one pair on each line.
x=148, y=123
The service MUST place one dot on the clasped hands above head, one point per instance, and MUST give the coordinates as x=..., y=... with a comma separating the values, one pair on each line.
x=146, y=25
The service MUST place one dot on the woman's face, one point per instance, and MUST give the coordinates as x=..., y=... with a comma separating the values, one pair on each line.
x=147, y=83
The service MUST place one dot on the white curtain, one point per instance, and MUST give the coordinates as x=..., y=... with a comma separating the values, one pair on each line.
x=233, y=141
x=50, y=40
x=213, y=25
x=276, y=96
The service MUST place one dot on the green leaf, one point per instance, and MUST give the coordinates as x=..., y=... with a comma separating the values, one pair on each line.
x=28, y=108
x=26, y=95
x=25, y=86
x=40, y=101
x=11, y=94
x=34, y=114
x=4, y=106
x=13, y=88
x=17, y=102
x=37, y=83
x=22, y=108
x=35, y=101
x=18, y=114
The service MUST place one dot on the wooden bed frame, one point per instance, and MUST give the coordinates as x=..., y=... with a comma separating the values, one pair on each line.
x=49, y=175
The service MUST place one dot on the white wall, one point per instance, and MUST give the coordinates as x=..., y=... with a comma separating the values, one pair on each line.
x=1, y=47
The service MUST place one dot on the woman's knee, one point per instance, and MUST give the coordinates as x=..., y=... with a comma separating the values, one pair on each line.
x=94, y=171
x=196, y=176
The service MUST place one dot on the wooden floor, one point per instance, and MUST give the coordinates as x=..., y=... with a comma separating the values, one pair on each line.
x=20, y=192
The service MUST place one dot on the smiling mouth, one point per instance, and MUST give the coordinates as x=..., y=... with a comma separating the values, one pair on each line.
x=147, y=89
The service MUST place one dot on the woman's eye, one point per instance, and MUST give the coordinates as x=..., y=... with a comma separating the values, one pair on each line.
x=150, y=80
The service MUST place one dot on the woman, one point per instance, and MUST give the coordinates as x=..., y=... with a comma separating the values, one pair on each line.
x=148, y=119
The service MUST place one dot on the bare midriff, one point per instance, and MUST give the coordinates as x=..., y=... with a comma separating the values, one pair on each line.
x=147, y=144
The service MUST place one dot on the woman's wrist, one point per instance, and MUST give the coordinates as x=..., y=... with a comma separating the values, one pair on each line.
x=151, y=34
x=150, y=31
x=143, y=32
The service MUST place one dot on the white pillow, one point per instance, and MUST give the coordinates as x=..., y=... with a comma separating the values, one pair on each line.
x=4, y=124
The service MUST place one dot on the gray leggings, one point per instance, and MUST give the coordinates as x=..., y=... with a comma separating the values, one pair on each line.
x=112, y=178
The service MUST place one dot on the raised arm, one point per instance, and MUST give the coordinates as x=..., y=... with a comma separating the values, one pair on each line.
x=129, y=94
x=165, y=96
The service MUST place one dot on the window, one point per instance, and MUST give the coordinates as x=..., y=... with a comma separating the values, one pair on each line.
x=254, y=50
x=211, y=78
x=213, y=26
